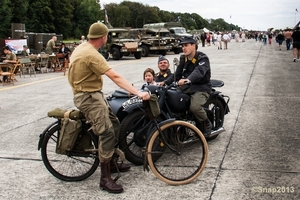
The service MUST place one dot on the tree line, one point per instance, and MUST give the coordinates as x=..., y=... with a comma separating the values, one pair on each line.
x=72, y=18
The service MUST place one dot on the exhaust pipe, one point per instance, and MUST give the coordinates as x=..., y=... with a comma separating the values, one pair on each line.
x=216, y=132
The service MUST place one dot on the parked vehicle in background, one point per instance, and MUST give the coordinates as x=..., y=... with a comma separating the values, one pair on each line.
x=177, y=31
x=119, y=44
x=154, y=41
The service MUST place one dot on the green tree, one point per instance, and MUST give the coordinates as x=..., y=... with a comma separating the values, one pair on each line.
x=62, y=17
x=40, y=17
x=6, y=17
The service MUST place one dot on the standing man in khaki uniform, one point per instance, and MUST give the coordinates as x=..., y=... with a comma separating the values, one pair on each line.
x=87, y=66
x=50, y=47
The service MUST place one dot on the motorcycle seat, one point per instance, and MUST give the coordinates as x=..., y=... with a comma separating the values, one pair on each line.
x=216, y=83
x=121, y=94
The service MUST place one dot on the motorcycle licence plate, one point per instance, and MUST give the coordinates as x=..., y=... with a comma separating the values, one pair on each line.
x=131, y=101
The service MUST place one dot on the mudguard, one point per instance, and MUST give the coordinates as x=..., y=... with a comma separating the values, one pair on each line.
x=220, y=96
x=42, y=135
x=133, y=107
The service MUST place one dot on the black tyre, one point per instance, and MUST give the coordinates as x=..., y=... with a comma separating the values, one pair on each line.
x=183, y=154
x=176, y=50
x=215, y=113
x=163, y=52
x=116, y=54
x=133, y=137
x=77, y=165
x=138, y=55
x=145, y=51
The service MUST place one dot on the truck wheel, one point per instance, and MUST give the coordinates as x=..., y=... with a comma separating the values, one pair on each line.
x=138, y=55
x=176, y=50
x=116, y=53
x=145, y=51
x=163, y=52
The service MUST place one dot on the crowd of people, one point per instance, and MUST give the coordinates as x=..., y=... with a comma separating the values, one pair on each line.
x=221, y=39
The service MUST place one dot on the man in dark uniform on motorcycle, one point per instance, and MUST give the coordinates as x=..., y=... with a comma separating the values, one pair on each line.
x=193, y=75
x=164, y=71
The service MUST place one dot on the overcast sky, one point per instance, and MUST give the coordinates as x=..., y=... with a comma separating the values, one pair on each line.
x=248, y=14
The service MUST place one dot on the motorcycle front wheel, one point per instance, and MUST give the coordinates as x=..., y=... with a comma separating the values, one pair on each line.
x=77, y=165
x=132, y=137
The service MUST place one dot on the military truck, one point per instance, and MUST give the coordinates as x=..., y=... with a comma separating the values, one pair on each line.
x=155, y=41
x=175, y=28
x=119, y=44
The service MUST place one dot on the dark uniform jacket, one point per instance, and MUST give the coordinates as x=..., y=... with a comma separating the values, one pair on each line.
x=162, y=77
x=196, y=70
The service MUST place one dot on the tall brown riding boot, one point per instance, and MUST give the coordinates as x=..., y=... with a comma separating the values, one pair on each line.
x=116, y=166
x=106, y=182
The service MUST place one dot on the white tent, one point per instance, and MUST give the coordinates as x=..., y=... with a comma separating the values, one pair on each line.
x=206, y=30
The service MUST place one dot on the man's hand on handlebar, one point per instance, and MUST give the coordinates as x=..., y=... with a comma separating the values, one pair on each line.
x=143, y=95
x=184, y=81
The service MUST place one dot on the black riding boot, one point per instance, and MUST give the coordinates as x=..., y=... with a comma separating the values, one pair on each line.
x=106, y=182
x=207, y=126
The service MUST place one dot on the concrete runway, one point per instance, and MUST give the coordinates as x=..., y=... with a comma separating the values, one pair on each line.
x=257, y=157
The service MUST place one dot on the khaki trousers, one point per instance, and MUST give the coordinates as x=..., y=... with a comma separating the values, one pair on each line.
x=104, y=123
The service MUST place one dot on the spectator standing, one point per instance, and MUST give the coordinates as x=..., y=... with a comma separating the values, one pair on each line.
x=51, y=46
x=215, y=36
x=208, y=39
x=264, y=38
x=82, y=40
x=243, y=35
x=270, y=36
x=237, y=37
x=296, y=44
x=203, y=38
x=87, y=66
x=226, y=38
x=219, y=39
x=280, y=39
x=288, y=36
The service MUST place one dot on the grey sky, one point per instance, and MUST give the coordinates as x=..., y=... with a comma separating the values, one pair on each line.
x=249, y=14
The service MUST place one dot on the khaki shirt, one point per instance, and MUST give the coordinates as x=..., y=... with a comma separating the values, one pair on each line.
x=86, y=67
x=49, y=46
x=11, y=56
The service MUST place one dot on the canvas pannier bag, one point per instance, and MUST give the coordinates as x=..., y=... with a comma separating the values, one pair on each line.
x=68, y=135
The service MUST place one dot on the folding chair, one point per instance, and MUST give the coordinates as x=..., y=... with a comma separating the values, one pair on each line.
x=26, y=65
x=43, y=63
x=10, y=74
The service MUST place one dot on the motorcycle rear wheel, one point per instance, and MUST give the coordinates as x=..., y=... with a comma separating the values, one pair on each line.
x=76, y=166
x=215, y=113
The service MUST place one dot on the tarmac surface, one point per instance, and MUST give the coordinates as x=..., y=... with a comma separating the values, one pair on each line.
x=257, y=157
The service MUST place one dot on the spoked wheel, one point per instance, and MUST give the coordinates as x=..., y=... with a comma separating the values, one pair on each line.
x=133, y=136
x=184, y=155
x=77, y=165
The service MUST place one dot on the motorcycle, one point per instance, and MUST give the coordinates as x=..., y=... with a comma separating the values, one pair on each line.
x=173, y=104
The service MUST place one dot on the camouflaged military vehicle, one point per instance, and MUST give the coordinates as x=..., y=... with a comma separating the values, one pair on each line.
x=119, y=44
x=155, y=41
